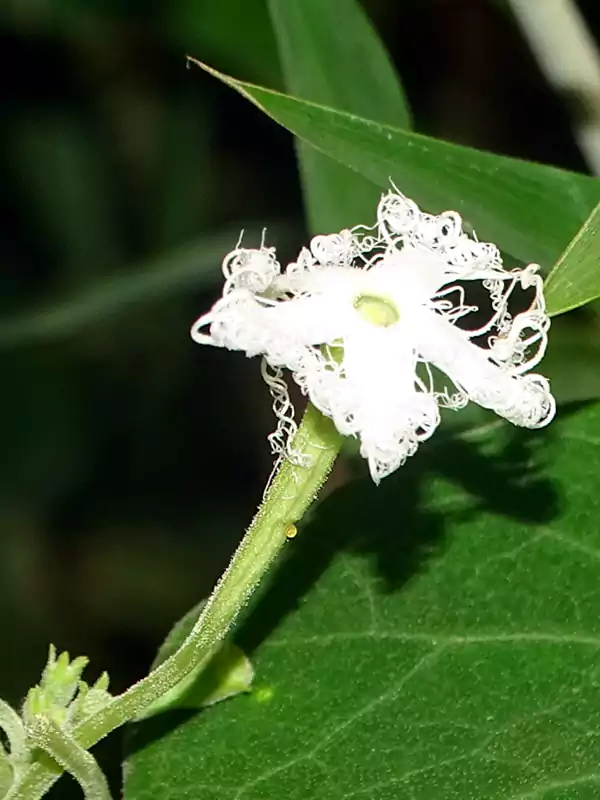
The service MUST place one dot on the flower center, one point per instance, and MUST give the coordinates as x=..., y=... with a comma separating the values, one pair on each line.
x=377, y=310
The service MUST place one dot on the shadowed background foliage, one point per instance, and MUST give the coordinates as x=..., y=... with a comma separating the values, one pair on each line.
x=132, y=460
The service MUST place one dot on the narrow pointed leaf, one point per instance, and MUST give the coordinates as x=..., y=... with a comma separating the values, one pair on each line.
x=529, y=210
x=575, y=280
x=331, y=54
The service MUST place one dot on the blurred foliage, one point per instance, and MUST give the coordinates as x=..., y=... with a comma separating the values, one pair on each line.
x=131, y=460
x=125, y=180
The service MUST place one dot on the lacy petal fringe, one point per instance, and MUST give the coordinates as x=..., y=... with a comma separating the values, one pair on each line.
x=364, y=317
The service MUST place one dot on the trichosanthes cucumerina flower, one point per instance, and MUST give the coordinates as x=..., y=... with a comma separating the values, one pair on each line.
x=363, y=318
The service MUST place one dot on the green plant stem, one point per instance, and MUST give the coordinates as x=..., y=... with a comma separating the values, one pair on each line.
x=10, y=723
x=291, y=492
x=61, y=746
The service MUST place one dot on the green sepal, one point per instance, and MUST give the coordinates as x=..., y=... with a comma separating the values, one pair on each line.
x=89, y=699
x=61, y=695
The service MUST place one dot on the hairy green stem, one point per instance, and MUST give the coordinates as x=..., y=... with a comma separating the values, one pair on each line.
x=10, y=723
x=62, y=747
x=292, y=490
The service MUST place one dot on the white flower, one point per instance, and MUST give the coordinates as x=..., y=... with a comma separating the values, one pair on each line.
x=362, y=317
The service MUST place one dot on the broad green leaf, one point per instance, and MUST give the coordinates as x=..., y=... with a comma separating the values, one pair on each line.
x=575, y=279
x=435, y=637
x=529, y=210
x=193, y=266
x=229, y=673
x=331, y=55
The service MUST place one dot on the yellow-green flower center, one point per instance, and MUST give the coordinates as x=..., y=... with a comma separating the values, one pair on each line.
x=377, y=310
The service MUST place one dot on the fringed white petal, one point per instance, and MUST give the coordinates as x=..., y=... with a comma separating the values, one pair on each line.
x=362, y=313
x=302, y=321
x=523, y=400
x=392, y=412
x=336, y=249
x=279, y=331
x=400, y=221
x=233, y=322
x=410, y=275
x=252, y=269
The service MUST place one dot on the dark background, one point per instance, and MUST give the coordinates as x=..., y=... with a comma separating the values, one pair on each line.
x=132, y=459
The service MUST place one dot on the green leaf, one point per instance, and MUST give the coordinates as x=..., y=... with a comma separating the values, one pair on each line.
x=435, y=637
x=575, y=280
x=330, y=54
x=229, y=672
x=529, y=210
